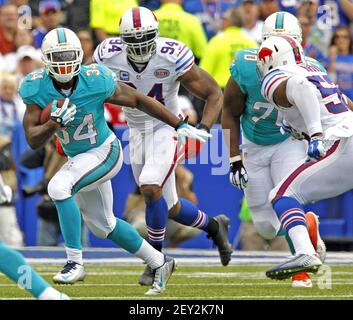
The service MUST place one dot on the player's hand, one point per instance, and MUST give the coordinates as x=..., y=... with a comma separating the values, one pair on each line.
x=5, y=194
x=316, y=149
x=63, y=115
x=238, y=176
x=185, y=130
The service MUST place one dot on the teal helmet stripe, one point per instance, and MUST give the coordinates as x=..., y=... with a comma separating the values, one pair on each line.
x=61, y=35
x=279, y=20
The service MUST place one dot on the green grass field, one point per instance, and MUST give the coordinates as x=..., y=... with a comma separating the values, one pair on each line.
x=202, y=282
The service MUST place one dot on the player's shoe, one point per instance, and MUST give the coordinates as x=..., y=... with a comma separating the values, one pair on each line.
x=71, y=273
x=300, y=263
x=312, y=221
x=301, y=280
x=221, y=239
x=161, y=277
x=147, y=277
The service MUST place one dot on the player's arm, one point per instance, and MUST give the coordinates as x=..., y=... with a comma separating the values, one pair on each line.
x=124, y=95
x=202, y=85
x=37, y=135
x=233, y=108
x=298, y=91
x=129, y=97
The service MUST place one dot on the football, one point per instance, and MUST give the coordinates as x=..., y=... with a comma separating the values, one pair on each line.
x=45, y=114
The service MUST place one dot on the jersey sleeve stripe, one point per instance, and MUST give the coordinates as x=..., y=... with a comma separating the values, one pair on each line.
x=189, y=65
x=181, y=50
x=273, y=82
x=269, y=77
x=183, y=56
x=185, y=63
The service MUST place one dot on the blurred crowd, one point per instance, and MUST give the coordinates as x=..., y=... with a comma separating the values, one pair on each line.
x=214, y=29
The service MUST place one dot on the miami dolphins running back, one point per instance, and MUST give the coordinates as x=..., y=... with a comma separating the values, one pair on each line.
x=13, y=265
x=265, y=139
x=95, y=154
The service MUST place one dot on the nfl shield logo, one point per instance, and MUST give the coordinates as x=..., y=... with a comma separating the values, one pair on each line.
x=124, y=76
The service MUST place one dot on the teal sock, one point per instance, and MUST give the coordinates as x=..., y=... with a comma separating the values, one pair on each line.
x=283, y=232
x=126, y=236
x=70, y=222
x=13, y=265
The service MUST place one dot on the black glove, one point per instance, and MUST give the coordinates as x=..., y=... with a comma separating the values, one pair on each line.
x=238, y=176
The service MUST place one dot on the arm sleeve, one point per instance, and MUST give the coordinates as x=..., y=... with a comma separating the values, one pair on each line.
x=301, y=93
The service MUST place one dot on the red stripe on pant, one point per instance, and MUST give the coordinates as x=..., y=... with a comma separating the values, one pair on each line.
x=172, y=167
x=285, y=185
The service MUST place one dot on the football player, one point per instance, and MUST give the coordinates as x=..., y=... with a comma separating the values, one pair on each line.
x=95, y=154
x=157, y=66
x=314, y=108
x=13, y=265
x=262, y=165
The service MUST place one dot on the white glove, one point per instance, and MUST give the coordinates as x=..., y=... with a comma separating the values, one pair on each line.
x=5, y=192
x=184, y=130
x=63, y=115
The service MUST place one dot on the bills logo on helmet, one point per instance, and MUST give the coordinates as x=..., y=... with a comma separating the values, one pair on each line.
x=265, y=52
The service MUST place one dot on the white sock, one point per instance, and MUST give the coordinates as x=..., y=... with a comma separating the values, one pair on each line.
x=50, y=294
x=150, y=255
x=301, y=240
x=74, y=255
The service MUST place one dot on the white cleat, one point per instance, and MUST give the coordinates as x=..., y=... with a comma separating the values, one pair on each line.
x=301, y=280
x=161, y=277
x=70, y=274
x=312, y=221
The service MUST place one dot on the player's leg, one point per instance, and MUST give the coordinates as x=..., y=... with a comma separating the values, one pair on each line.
x=97, y=211
x=14, y=266
x=95, y=165
x=287, y=156
x=257, y=161
x=310, y=181
x=159, y=162
x=185, y=212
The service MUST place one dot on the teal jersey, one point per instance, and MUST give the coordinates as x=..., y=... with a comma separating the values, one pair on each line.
x=94, y=85
x=260, y=121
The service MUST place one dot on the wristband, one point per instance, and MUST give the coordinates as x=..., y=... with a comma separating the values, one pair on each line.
x=234, y=159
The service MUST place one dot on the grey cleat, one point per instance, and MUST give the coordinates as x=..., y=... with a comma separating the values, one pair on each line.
x=300, y=263
x=161, y=277
x=221, y=239
x=147, y=277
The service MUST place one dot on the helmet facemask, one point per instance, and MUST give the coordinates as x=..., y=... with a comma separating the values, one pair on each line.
x=63, y=65
x=141, y=46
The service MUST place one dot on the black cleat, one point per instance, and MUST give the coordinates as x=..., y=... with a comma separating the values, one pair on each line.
x=300, y=263
x=221, y=239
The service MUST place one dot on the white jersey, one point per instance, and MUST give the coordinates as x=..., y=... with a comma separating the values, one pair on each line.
x=158, y=80
x=336, y=118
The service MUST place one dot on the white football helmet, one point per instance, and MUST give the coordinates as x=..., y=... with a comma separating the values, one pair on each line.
x=139, y=31
x=279, y=51
x=62, y=54
x=282, y=23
